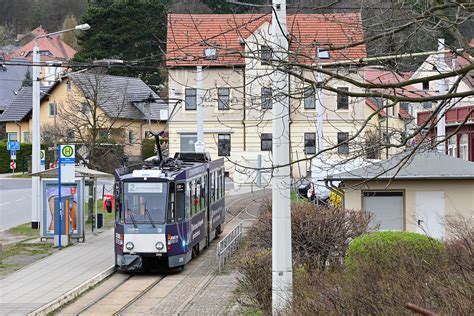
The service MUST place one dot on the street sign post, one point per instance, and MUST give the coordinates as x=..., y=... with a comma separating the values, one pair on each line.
x=66, y=174
x=42, y=160
x=13, y=146
x=13, y=155
x=13, y=166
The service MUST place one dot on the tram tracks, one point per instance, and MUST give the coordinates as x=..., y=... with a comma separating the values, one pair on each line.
x=117, y=299
x=127, y=292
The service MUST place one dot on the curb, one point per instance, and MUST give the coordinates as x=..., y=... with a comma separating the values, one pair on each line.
x=72, y=294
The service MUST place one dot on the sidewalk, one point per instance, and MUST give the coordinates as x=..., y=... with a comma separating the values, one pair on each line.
x=44, y=281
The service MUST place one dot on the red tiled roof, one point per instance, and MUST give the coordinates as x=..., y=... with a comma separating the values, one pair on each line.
x=371, y=103
x=376, y=76
x=59, y=49
x=189, y=34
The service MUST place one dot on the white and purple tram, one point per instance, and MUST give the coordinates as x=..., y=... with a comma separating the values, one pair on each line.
x=166, y=211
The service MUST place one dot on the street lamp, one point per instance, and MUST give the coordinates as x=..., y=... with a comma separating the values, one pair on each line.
x=36, y=142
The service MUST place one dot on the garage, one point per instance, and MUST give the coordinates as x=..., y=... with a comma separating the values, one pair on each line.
x=414, y=192
x=387, y=208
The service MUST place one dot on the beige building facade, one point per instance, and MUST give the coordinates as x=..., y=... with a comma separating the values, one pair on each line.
x=238, y=96
x=69, y=112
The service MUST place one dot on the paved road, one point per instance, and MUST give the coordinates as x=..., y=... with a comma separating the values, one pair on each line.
x=15, y=202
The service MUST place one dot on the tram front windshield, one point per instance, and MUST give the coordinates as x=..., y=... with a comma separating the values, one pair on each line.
x=145, y=202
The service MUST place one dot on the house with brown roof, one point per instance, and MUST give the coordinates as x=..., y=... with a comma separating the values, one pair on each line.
x=395, y=120
x=117, y=110
x=52, y=50
x=459, y=113
x=235, y=51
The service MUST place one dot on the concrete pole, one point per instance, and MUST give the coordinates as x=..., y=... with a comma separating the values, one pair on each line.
x=443, y=89
x=282, y=271
x=36, y=139
x=199, y=146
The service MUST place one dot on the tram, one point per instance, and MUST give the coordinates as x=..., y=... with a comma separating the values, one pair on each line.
x=167, y=210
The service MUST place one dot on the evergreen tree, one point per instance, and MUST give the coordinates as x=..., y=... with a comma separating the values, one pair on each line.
x=27, y=81
x=127, y=30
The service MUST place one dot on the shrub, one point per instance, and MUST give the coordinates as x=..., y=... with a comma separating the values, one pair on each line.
x=320, y=237
x=319, y=234
x=388, y=250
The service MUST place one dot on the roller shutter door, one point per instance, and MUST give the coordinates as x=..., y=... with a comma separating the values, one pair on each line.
x=387, y=208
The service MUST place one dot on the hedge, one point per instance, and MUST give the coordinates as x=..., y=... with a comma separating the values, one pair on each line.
x=389, y=250
x=23, y=157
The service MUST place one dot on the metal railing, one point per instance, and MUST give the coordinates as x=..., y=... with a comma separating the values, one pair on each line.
x=229, y=245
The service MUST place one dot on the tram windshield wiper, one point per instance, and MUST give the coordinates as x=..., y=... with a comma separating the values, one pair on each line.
x=132, y=217
x=147, y=212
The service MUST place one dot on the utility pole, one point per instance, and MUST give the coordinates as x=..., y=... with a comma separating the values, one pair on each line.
x=36, y=132
x=35, y=139
x=282, y=271
x=199, y=146
x=443, y=89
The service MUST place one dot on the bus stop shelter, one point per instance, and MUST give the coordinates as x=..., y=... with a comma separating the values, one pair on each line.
x=87, y=177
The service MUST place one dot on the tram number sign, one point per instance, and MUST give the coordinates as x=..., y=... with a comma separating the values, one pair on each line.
x=13, y=165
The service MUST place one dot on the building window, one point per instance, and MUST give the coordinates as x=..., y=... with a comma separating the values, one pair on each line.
x=427, y=104
x=26, y=137
x=342, y=99
x=12, y=137
x=322, y=53
x=210, y=53
x=309, y=143
x=223, y=98
x=104, y=134
x=266, y=95
x=463, y=147
x=187, y=142
x=85, y=108
x=53, y=109
x=223, y=145
x=342, y=143
x=70, y=134
x=265, y=54
x=309, y=99
x=130, y=137
x=266, y=142
x=452, y=148
x=426, y=85
x=190, y=99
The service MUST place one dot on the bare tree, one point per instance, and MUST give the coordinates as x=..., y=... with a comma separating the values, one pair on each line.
x=92, y=117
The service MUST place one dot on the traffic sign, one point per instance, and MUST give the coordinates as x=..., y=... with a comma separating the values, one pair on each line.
x=13, y=165
x=13, y=146
x=13, y=155
x=42, y=160
x=67, y=160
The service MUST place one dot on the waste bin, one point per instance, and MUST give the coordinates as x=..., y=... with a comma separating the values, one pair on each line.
x=100, y=220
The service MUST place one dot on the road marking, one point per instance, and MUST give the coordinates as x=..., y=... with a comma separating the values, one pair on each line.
x=5, y=203
x=21, y=199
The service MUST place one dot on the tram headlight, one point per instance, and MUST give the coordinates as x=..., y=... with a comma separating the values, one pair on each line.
x=129, y=245
x=159, y=245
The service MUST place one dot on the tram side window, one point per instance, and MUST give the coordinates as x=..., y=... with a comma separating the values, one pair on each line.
x=204, y=192
x=219, y=184
x=171, y=204
x=188, y=199
x=181, y=202
x=213, y=187
x=222, y=182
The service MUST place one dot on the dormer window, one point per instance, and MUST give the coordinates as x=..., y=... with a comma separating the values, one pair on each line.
x=210, y=53
x=322, y=53
x=265, y=54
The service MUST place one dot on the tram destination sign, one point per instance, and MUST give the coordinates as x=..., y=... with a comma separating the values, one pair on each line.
x=140, y=187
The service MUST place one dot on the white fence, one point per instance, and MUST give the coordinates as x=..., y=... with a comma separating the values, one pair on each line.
x=229, y=245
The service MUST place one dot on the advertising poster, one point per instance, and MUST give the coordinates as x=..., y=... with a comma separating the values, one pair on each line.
x=72, y=206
